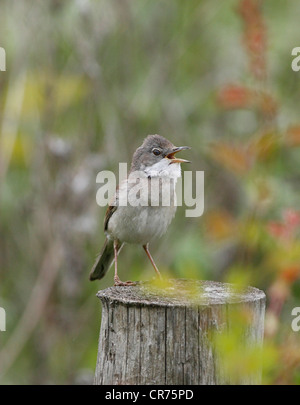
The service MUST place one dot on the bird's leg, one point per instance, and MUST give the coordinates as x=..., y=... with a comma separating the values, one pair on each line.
x=151, y=260
x=117, y=281
x=116, y=277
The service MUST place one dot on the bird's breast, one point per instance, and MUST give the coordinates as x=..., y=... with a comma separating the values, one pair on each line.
x=149, y=210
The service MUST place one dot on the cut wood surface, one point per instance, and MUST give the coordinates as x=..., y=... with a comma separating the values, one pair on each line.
x=165, y=335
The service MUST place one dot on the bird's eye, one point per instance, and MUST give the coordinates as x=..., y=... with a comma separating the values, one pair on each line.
x=156, y=151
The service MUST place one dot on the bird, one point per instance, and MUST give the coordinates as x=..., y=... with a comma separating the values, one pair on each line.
x=144, y=216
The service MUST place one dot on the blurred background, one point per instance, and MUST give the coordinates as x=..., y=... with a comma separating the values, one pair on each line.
x=85, y=82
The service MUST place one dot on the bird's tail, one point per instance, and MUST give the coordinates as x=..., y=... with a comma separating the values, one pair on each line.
x=104, y=260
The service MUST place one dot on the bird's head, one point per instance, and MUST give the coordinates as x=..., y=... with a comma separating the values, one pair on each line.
x=156, y=157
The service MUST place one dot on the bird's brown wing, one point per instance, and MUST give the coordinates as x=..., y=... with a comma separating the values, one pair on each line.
x=110, y=210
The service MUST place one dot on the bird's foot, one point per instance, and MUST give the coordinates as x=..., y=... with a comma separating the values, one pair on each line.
x=118, y=282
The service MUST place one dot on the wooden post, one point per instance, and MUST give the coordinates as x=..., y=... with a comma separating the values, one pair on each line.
x=166, y=336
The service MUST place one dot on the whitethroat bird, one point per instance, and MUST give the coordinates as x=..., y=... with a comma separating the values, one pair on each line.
x=145, y=215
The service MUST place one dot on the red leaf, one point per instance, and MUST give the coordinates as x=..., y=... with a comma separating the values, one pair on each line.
x=234, y=96
x=291, y=218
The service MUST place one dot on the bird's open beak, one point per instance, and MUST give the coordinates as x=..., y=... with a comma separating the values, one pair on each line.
x=177, y=160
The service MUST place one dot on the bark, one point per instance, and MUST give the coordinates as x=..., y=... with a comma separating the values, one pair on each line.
x=167, y=335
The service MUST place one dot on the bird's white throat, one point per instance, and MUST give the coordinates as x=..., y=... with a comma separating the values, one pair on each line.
x=164, y=168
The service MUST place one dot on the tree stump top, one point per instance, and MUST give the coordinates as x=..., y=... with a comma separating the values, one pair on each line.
x=181, y=293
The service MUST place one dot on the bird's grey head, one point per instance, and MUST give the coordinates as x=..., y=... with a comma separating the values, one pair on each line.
x=156, y=154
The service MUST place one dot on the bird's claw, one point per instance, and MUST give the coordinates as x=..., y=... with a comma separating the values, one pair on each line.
x=119, y=283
